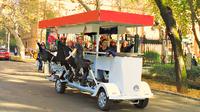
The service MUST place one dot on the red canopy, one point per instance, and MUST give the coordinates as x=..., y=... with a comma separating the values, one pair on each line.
x=99, y=16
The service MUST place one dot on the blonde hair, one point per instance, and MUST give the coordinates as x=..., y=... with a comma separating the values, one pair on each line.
x=105, y=43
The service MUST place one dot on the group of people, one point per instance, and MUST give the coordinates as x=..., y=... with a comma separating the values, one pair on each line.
x=111, y=46
x=70, y=54
x=111, y=49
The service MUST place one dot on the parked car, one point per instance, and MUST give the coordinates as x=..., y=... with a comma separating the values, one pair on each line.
x=4, y=54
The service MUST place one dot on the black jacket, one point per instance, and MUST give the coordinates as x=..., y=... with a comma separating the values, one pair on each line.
x=42, y=53
x=127, y=49
x=63, y=51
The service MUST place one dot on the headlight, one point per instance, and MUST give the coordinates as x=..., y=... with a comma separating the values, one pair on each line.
x=136, y=88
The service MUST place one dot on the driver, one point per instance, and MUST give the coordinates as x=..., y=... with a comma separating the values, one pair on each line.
x=78, y=52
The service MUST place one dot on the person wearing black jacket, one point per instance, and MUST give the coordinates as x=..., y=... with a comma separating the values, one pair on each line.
x=39, y=57
x=113, y=46
x=63, y=52
x=125, y=47
x=79, y=60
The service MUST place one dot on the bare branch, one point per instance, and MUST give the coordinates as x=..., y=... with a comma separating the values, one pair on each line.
x=84, y=5
x=194, y=16
x=97, y=4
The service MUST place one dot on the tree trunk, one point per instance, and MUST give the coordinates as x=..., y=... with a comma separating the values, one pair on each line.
x=164, y=50
x=193, y=17
x=19, y=42
x=180, y=70
x=195, y=34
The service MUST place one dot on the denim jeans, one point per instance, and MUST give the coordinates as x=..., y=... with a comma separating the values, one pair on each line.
x=40, y=64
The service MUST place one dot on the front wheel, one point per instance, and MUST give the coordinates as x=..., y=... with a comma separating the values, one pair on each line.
x=60, y=86
x=103, y=101
x=142, y=103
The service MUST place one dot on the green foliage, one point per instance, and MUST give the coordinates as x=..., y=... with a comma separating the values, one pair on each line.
x=24, y=14
x=197, y=5
x=163, y=70
x=12, y=44
x=181, y=14
x=2, y=34
x=165, y=73
x=148, y=41
x=167, y=70
x=152, y=57
x=198, y=60
x=12, y=41
x=194, y=73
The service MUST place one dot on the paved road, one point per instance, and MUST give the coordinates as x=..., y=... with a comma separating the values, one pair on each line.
x=24, y=90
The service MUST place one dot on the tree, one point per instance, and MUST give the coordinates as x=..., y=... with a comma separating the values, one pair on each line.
x=194, y=19
x=8, y=19
x=18, y=17
x=167, y=16
x=174, y=34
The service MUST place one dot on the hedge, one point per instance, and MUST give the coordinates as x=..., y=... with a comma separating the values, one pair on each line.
x=151, y=57
x=166, y=74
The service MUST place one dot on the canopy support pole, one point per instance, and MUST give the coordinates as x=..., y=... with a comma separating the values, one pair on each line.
x=118, y=43
x=97, y=50
x=136, y=28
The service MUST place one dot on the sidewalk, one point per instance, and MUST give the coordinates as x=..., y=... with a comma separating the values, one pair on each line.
x=19, y=59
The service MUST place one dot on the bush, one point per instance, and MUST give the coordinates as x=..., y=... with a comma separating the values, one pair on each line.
x=166, y=73
x=151, y=57
x=163, y=71
x=168, y=70
x=194, y=73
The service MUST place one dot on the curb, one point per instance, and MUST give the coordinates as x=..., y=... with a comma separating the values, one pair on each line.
x=18, y=59
x=22, y=73
x=177, y=94
x=24, y=61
